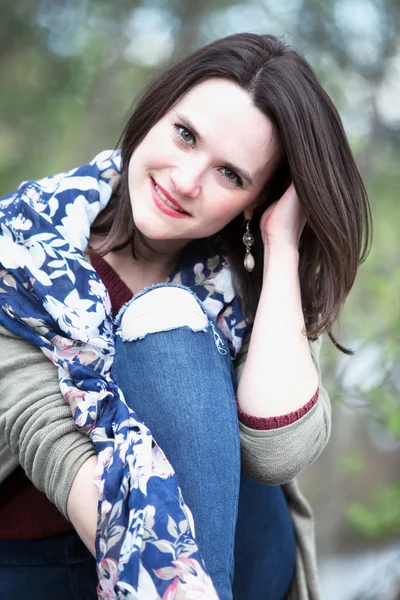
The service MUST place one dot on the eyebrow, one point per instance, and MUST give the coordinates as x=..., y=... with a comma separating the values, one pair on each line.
x=187, y=123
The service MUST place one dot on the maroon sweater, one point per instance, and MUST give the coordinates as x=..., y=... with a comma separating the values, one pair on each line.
x=26, y=513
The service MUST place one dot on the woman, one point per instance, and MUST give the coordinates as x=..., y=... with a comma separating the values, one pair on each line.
x=240, y=131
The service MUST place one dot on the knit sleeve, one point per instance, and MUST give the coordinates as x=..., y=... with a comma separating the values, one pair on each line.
x=36, y=427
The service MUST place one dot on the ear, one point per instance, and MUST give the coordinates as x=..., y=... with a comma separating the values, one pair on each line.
x=248, y=212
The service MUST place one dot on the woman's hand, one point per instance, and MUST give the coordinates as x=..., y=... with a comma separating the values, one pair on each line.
x=283, y=222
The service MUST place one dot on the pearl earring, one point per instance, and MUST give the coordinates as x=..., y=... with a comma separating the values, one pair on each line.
x=248, y=241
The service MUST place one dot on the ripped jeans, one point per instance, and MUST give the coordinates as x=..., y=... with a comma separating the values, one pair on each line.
x=175, y=370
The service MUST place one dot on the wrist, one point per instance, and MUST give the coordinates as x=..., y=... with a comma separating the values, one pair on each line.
x=281, y=251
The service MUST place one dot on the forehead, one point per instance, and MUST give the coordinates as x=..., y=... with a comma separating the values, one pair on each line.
x=227, y=120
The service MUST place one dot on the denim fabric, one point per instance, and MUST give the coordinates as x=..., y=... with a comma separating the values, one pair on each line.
x=58, y=568
x=181, y=386
x=180, y=382
x=265, y=547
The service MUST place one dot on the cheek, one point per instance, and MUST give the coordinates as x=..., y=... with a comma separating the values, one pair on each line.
x=222, y=208
x=151, y=153
x=158, y=150
x=157, y=157
x=223, y=203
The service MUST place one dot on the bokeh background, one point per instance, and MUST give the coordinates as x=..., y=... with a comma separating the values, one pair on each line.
x=69, y=73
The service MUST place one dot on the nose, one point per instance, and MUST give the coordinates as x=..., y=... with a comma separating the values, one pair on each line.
x=186, y=179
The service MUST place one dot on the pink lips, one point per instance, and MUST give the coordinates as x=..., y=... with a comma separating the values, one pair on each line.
x=163, y=206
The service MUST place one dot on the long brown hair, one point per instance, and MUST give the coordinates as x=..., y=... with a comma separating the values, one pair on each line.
x=316, y=157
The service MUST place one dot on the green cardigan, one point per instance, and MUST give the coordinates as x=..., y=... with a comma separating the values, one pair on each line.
x=37, y=432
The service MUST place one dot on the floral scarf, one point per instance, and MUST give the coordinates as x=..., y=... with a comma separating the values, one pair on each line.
x=51, y=296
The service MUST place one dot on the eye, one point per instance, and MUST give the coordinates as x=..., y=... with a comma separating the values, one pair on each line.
x=184, y=134
x=232, y=176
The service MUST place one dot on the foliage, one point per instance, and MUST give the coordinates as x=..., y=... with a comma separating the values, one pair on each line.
x=382, y=517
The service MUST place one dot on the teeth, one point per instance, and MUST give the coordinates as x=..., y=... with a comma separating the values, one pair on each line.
x=163, y=197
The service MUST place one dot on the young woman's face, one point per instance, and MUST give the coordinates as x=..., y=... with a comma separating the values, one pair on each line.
x=202, y=164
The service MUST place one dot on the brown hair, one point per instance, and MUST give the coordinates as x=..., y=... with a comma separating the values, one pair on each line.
x=316, y=157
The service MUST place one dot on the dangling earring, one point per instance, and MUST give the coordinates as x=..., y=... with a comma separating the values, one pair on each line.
x=248, y=241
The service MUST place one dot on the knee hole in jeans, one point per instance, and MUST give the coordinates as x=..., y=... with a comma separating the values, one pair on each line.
x=160, y=309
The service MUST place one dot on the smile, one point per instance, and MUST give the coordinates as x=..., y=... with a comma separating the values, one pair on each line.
x=165, y=203
x=164, y=197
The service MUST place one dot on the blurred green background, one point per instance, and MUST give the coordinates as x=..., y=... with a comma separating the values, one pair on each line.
x=69, y=72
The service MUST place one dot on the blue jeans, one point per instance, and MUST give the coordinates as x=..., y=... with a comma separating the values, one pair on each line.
x=181, y=383
x=58, y=568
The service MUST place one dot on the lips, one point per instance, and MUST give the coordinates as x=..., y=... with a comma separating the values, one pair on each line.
x=168, y=199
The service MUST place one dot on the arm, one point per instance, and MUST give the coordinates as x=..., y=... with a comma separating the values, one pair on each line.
x=279, y=376
x=82, y=504
x=37, y=429
x=281, y=372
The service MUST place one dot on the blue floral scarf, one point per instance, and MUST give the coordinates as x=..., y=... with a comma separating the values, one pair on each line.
x=51, y=296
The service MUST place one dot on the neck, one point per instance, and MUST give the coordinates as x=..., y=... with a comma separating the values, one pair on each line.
x=151, y=253
x=150, y=266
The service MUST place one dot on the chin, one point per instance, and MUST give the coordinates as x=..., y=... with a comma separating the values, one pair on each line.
x=150, y=229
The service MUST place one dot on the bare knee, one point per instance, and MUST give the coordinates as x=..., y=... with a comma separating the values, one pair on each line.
x=160, y=309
